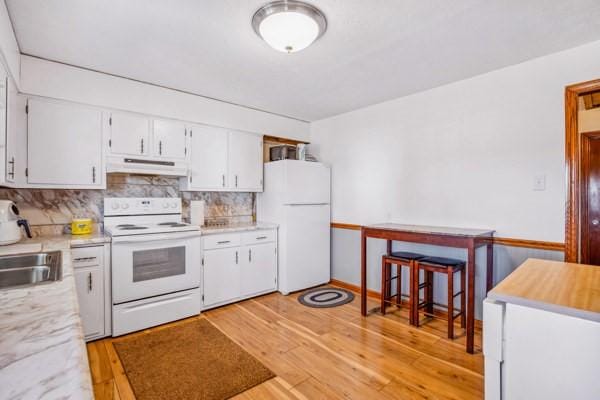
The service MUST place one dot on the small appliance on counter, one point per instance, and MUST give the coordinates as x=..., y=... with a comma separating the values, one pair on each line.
x=283, y=152
x=11, y=223
x=81, y=226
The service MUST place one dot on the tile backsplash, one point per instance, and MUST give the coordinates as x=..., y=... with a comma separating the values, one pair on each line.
x=50, y=210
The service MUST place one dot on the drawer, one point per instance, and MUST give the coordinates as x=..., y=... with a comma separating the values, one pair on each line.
x=220, y=241
x=87, y=256
x=259, y=236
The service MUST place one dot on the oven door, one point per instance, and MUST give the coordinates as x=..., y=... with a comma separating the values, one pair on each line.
x=150, y=265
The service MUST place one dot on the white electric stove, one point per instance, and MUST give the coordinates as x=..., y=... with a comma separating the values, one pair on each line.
x=155, y=262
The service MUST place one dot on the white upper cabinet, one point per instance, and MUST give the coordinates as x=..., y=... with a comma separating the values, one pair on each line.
x=245, y=162
x=64, y=145
x=129, y=134
x=222, y=160
x=170, y=139
x=208, y=166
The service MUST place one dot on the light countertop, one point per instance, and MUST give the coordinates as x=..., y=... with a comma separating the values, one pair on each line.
x=42, y=349
x=248, y=226
x=35, y=244
x=565, y=288
x=436, y=230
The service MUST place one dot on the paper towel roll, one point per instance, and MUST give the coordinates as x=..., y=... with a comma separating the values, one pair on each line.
x=197, y=212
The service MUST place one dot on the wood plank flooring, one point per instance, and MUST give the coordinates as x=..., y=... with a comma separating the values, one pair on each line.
x=331, y=353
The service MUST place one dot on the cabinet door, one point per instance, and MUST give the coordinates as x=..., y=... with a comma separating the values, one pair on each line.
x=259, y=270
x=129, y=134
x=221, y=275
x=245, y=161
x=64, y=145
x=169, y=139
x=90, y=288
x=209, y=158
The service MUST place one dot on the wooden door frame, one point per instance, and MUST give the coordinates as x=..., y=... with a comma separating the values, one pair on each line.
x=573, y=165
x=586, y=138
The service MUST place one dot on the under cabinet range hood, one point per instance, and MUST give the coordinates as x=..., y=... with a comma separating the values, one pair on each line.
x=143, y=166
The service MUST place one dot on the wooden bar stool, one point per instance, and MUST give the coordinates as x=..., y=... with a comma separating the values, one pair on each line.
x=442, y=265
x=400, y=259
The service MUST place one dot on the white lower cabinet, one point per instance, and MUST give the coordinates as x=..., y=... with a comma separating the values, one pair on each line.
x=221, y=275
x=259, y=270
x=90, y=289
x=238, y=265
x=92, y=281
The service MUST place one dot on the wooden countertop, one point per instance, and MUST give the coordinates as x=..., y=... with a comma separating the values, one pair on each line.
x=566, y=288
x=435, y=230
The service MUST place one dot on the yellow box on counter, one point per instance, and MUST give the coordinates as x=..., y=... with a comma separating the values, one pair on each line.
x=81, y=226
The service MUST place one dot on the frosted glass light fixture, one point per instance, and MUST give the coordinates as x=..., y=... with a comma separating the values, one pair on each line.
x=289, y=26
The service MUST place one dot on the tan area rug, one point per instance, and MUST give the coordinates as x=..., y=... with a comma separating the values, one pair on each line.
x=189, y=361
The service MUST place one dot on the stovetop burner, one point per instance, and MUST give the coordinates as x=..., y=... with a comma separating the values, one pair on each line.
x=132, y=227
x=124, y=225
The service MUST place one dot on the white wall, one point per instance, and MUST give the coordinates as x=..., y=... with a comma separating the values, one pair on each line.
x=464, y=154
x=50, y=79
x=9, y=50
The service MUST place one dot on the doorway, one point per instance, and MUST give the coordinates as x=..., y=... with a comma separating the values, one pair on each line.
x=582, y=144
x=590, y=198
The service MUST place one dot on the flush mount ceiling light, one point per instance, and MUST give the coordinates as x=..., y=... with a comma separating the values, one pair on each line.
x=289, y=26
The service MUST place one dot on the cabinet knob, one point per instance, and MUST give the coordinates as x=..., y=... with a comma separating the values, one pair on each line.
x=595, y=222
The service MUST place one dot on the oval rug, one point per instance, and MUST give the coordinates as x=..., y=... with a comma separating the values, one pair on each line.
x=325, y=297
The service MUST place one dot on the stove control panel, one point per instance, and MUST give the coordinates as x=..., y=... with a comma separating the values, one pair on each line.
x=141, y=205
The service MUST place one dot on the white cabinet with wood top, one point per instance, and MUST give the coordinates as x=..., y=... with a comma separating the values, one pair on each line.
x=92, y=281
x=238, y=265
x=64, y=145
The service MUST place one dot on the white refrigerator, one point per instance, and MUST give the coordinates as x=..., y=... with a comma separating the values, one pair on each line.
x=296, y=196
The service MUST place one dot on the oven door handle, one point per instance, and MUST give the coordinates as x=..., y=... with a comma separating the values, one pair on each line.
x=155, y=237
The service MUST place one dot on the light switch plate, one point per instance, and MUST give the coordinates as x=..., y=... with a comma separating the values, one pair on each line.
x=539, y=182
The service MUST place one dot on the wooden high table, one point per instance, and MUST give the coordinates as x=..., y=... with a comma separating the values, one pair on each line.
x=469, y=239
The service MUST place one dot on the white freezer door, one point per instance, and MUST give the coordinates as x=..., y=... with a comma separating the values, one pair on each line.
x=306, y=183
x=307, y=236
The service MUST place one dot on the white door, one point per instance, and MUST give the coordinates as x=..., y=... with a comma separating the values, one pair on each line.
x=90, y=288
x=259, y=270
x=221, y=277
x=306, y=182
x=64, y=144
x=209, y=157
x=169, y=139
x=307, y=234
x=129, y=134
x=245, y=162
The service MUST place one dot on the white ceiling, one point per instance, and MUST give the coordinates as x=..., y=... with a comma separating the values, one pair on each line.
x=372, y=51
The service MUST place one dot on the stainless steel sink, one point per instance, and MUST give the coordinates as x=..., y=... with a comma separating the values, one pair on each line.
x=30, y=269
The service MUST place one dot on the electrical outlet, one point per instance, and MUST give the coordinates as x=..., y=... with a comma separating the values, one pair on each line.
x=539, y=182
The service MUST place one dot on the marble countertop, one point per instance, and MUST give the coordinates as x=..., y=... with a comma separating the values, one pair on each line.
x=436, y=230
x=33, y=245
x=248, y=226
x=42, y=349
x=556, y=286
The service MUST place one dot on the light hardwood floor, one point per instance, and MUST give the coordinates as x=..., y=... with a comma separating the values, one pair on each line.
x=331, y=353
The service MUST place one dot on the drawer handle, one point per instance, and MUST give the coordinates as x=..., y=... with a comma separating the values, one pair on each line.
x=84, y=258
x=261, y=237
x=224, y=241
